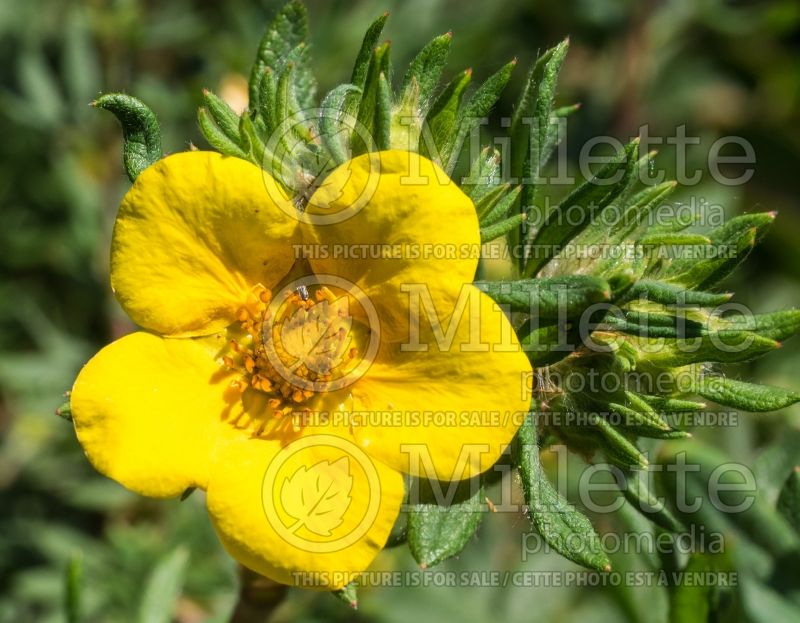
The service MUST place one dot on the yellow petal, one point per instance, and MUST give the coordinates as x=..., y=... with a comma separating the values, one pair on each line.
x=404, y=222
x=146, y=410
x=195, y=232
x=314, y=514
x=450, y=411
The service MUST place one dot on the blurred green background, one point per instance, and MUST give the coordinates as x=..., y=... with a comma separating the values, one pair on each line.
x=721, y=68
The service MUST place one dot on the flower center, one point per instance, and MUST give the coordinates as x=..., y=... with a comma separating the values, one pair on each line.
x=291, y=350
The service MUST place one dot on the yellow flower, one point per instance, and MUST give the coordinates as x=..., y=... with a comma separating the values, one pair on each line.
x=286, y=403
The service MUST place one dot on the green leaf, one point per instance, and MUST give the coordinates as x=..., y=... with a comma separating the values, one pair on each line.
x=637, y=209
x=673, y=405
x=140, y=131
x=426, y=69
x=287, y=30
x=501, y=207
x=484, y=175
x=549, y=298
x=223, y=116
x=163, y=587
x=383, y=114
x=777, y=326
x=372, y=103
x=789, y=500
x=438, y=531
x=217, y=138
x=561, y=525
x=590, y=197
x=669, y=294
x=74, y=588
x=497, y=230
x=638, y=493
x=477, y=108
x=655, y=240
x=439, y=127
x=364, y=57
x=745, y=396
x=617, y=447
x=334, y=134
x=692, y=602
x=348, y=595
x=722, y=346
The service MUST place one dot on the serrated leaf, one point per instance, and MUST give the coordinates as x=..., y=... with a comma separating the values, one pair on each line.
x=438, y=531
x=746, y=396
x=560, y=524
x=140, y=131
x=548, y=298
x=164, y=587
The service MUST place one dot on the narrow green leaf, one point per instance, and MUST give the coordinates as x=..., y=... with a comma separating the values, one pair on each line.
x=140, y=131
x=692, y=602
x=673, y=405
x=745, y=396
x=74, y=588
x=287, y=30
x=591, y=197
x=438, y=531
x=653, y=240
x=619, y=449
x=426, y=69
x=492, y=232
x=368, y=44
x=777, y=326
x=722, y=347
x=217, y=138
x=163, y=587
x=223, y=116
x=267, y=99
x=501, y=207
x=334, y=131
x=639, y=495
x=669, y=294
x=477, y=108
x=348, y=595
x=369, y=103
x=560, y=524
x=438, y=132
x=789, y=500
x=550, y=298
x=383, y=114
